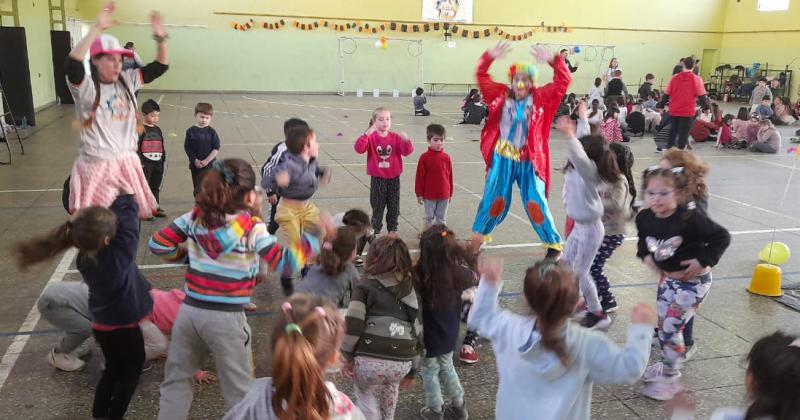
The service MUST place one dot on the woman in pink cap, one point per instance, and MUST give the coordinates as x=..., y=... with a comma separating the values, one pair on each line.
x=107, y=164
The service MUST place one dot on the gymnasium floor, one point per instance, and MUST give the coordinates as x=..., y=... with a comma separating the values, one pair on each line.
x=746, y=189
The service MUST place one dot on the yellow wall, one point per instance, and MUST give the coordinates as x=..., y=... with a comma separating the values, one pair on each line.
x=754, y=42
x=34, y=18
x=218, y=58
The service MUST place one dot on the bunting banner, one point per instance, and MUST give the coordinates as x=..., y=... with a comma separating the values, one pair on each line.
x=375, y=27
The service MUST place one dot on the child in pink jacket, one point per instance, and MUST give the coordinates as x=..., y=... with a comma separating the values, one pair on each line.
x=385, y=150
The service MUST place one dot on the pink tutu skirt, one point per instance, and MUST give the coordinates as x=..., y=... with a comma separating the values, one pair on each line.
x=99, y=182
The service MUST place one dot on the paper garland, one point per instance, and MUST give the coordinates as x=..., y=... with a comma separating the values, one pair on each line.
x=465, y=32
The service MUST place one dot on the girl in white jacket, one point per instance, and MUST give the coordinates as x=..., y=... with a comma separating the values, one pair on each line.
x=546, y=363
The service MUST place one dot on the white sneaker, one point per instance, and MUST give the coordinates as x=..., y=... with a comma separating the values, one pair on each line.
x=64, y=361
x=84, y=349
x=662, y=391
x=655, y=373
x=690, y=351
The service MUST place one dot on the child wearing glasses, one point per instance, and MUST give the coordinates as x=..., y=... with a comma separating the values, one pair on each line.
x=681, y=244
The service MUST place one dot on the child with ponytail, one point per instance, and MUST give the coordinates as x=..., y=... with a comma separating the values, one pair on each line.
x=106, y=239
x=335, y=276
x=618, y=210
x=443, y=273
x=589, y=164
x=108, y=164
x=384, y=332
x=305, y=342
x=228, y=248
x=546, y=363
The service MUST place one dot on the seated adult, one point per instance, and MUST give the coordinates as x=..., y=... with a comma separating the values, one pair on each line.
x=768, y=139
x=65, y=305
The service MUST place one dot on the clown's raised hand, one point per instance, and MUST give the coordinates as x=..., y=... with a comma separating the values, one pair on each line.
x=542, y=53
x=499, y=50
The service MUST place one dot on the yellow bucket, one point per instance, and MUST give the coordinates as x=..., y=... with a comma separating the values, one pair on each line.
x=766, y=280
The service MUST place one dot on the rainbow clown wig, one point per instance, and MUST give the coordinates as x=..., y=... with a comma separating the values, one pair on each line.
x=527, y=68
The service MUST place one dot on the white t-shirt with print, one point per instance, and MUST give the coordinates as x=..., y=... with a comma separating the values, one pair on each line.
x=113, y=131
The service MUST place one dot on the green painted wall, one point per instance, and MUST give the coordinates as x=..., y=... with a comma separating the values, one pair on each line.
x=33, y=16
x=757, y=44
x=219, y=58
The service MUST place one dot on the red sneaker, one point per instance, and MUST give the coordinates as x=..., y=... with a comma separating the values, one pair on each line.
x=468, y=355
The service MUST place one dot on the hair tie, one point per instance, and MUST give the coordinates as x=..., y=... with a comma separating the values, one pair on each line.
x=227, y=174
x=287, y=311
x=677, y=169
x=321, y=311
x=292, y=328
x=444, y=234
x=546, y=267
x=795, y=343
x=327, y=245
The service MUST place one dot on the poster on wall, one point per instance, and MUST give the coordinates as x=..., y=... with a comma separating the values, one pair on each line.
x=447, y=11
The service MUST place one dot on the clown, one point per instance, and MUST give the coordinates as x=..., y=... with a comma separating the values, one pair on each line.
x=514, y=142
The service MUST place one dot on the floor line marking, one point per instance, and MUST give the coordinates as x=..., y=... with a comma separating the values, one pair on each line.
x=18, y=344
x=742, y=203
x=160, y=98
x=29, y=191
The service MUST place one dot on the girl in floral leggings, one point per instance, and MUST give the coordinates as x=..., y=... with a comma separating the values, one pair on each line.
x=682, y=245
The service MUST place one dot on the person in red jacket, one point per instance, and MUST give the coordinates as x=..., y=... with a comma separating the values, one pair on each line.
x=434, y=183
x=684, y=88
x=514, y=142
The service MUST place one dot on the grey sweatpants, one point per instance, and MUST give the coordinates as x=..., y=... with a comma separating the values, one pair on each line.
x=435, y=212
x=197, y=333
x=66, y=306
x=579, y=251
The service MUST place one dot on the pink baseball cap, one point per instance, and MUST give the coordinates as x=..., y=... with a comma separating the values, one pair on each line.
x=108, y=44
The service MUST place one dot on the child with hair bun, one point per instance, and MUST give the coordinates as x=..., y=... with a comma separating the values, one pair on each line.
x=335, y=276
x=305, y=342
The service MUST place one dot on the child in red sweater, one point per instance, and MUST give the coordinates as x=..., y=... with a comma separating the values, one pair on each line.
x=385, y=150
x=434, y=183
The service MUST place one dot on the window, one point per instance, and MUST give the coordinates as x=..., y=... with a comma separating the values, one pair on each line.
x=773, y=5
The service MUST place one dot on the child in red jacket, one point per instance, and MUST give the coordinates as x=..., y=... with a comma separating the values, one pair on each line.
x=434, y=183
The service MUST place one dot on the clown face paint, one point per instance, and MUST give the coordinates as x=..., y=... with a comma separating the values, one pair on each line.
x=521, y=84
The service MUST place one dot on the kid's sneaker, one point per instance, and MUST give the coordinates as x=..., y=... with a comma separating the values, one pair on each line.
x=468, y=355
x=663, y=390
x=655, y=373
x=65, y=361
x=594, y=321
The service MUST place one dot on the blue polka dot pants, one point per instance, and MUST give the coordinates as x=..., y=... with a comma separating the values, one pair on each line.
x=607, y=248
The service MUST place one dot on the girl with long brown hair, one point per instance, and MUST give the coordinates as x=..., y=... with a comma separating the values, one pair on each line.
x=106, y=240
x=443, y=273
x=384, y=332
x=228, y=247
x=305, y=343
x=546, y=363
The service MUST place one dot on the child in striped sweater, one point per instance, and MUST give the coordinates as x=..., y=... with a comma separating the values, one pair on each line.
x=227, y=241
x=384, y=330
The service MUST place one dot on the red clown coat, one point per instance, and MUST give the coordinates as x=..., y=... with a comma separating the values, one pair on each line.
x=545, y=104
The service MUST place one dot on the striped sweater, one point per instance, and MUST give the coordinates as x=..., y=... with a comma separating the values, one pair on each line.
x=383, y=321
x=224, y=261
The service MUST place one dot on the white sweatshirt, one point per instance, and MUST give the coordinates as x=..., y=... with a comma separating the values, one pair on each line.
x=533, y=382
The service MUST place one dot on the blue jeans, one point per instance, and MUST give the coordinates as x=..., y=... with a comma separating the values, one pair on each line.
x=439, y=374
